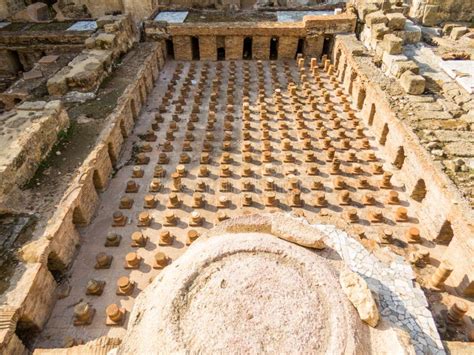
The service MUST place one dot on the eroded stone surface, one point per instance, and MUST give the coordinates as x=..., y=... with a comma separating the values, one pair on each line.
x=246, y=291
x=357, y=291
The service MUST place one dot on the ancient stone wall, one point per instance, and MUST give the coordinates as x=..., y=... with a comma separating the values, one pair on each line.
x=312, y=30
x=29, y=301
x=87, y=71
x=434, y=12
x=34, y=128
x=440, y=198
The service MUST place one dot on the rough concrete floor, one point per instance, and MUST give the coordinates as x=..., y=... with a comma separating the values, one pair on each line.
x=60, y=326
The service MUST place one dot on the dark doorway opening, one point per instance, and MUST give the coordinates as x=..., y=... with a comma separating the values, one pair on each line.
x=327, y=44
x=300, y=48
x=274, y=48
x=247, y=52
x=221, y=53
x=169, y=49
x=195, y=48
x=220, y=42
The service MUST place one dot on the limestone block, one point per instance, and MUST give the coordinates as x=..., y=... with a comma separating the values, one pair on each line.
x=365, y=9
x=412, y=84
x=458, y=32
x=287, y=47
x=411, y=34
x=359, y=294
x=392, y=44
x=105, y=40
x=34, y=13
x=398, y=68
x=234, y=47
x=389, y=60
x=105, y=20
x=182, y=48
x=375, y=18
x=57, y=85
x=396, y=21
x=431, y=15
x=314, y=46
x=379, y=30
x=208, y=47
x=261, y=47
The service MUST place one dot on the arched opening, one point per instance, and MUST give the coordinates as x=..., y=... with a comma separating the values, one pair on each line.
x=399, y=158
x=274, y=48
x=27, y=332
x=351, y=84
x=383, y=136
x=300, y=47
x=361, y=98
x=112, y=156
x=371, y=115
x=133, y=109
x=56, y=267
x=170, y=49
x=195, y=48
x=247, y=50
x=445, y=234
x=337, y=57
x=123, y=130
x=419, y=191
x=343, y=73
x=142, y=93
x=97, y=180
x=327, y=45
x=78, y=217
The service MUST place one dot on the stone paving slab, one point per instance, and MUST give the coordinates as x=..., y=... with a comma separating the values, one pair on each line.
x=462, y=71
x=297, y=16
x=83, y=26
x=172, y=16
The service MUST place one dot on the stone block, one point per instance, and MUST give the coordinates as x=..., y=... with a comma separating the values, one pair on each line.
x=36, y=12
x=287, y=47
x=208, y=47
x=392, y=44
x=396, y=21
x=261, y=47
x=182, y=48
x=431, y=15
x=57, y=85
x=234, y=47
x=412, y=84
x=448, y=27
x=105, y=40
x=365, y=9
x=411, y=34
x=48, y=59
x=458, y=32
x=389, y=60
x=314, y=45
x=379, y=30
x=32, y=74
x=375, y=18
x=398, y=68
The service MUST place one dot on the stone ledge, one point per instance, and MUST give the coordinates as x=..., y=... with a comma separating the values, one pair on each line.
x=57, y=245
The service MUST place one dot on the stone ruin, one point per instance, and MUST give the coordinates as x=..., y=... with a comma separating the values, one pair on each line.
x=236, y=176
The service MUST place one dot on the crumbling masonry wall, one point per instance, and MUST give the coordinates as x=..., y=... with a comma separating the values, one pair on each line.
x=31, y=298
x=442, y=200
